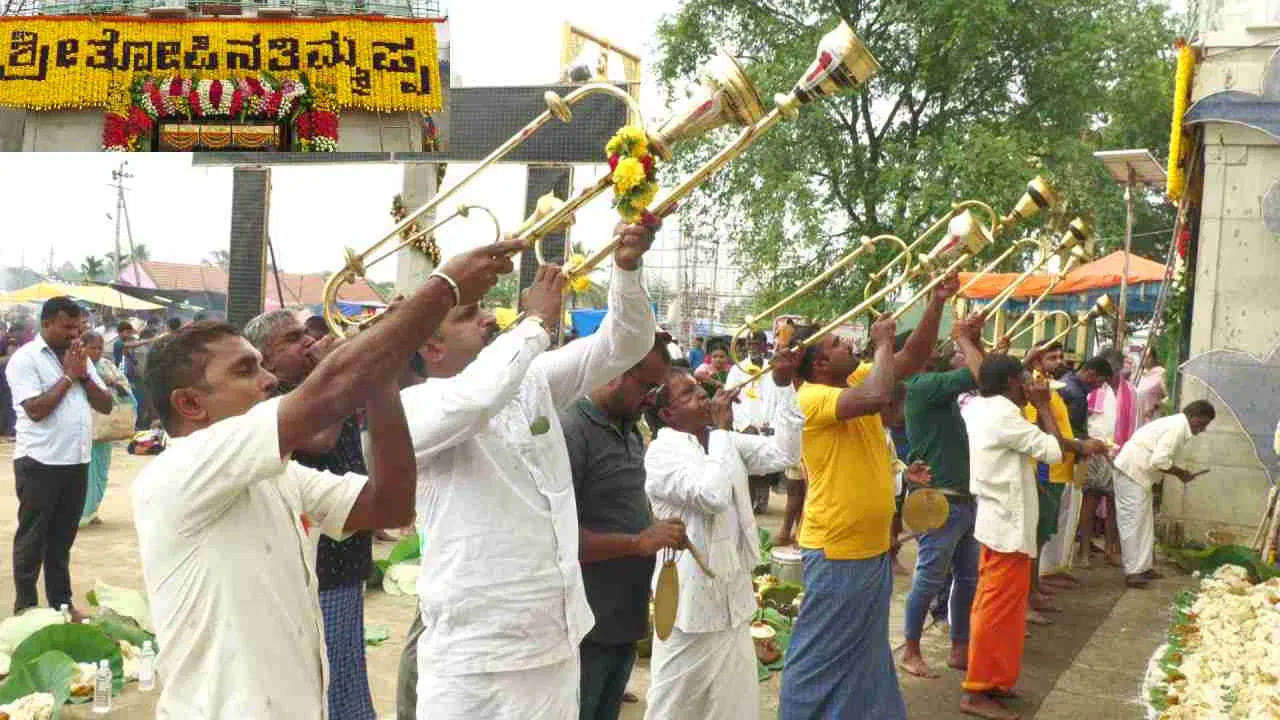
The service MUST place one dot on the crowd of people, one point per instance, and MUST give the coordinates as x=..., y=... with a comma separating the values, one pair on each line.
x=545, y=482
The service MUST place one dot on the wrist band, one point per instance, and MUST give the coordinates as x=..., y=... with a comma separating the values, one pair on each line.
x=457, y=294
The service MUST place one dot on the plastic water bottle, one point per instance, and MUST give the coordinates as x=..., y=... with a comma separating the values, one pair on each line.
x=102, y=689
x=147, y=667
x=65, y=609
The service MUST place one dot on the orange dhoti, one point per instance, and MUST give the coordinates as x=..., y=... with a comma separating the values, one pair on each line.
x=998, y=621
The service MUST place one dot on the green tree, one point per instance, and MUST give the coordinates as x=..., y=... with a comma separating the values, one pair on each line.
x=139, y=253
x=973, y=98
x=504, y=293
x=220, y=258
x=91, y=268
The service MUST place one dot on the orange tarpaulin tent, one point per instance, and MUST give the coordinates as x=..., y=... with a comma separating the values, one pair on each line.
x=1104, y=272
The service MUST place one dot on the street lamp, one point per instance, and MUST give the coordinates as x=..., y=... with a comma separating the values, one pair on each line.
x=1129, y=168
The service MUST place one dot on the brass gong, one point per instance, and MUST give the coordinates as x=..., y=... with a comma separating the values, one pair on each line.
x=925, y=509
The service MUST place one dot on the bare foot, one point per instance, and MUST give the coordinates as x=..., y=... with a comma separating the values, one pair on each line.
x=1043, y=603
x=1149, y=575
x=985, y=707
x=1036, y=618
x=959, y=658
x=1135, y=581
x=917, y=666
x=1060, y=581
x=1009, y=694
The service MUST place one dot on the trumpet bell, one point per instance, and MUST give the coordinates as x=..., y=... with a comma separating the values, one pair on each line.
x=1040, y=195
x=546, y=205
x=843, y=63
x=965, y=233
x=1103, y=307
x=1078, y=233
x=726, y=96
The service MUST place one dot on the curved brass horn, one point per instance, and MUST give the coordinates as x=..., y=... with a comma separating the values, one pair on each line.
x=1032, y=326
x=751, y=323
x=1104, y=307
x=843, y=63
x=1078, y=256
x=558, y=107
x=966, y=237
x=356, y=264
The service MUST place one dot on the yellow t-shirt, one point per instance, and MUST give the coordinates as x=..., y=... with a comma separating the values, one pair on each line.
x=1061, y=472
x=848, y=507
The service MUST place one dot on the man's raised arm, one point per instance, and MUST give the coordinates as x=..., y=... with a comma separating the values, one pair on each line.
x=339, y=384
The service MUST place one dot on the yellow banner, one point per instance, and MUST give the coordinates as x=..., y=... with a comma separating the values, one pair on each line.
x=382, y=64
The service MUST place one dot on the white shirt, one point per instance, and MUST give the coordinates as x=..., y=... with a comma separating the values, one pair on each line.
x=1102, y=425
x=64, y=436
x=500, y=587
x=754, y=407
x=707, y=489
x=1153, y=447
x=228, y=571
x=1000, y=441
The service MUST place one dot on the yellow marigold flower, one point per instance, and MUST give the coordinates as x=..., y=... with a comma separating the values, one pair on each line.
x=645, y=196
x=628, y=174
x=630, y=214
x=636, y=139
x=580, y=284
x=614, y=146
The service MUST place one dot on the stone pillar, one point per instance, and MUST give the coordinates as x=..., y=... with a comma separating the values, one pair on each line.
x=1234, y=305
x=412, y=266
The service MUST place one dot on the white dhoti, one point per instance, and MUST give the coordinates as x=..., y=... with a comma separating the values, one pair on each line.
x=709, y=676
x=1060, y=550
x=545, y=693
x=1135, y=518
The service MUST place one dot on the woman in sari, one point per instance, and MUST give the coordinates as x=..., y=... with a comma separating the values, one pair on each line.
x=100, y=456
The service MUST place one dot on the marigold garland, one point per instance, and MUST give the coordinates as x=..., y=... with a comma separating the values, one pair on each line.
x=578, y=284
x=1177, y=176
x=634, y=172
x=309, y=109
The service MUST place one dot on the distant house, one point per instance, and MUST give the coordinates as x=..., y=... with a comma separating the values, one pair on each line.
x=297, y=288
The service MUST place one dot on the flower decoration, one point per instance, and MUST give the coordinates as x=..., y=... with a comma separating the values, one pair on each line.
x=578, y=283
x=424, y=244
x=310, y=110
x=634, y=172
x=1177, y=179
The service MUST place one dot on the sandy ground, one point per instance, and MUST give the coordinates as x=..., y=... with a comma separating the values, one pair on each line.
x=1088, y=664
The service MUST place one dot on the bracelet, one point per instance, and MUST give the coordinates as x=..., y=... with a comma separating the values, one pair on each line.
x=457, y=294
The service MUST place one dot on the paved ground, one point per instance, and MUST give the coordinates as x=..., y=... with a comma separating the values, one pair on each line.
x=1089, y=664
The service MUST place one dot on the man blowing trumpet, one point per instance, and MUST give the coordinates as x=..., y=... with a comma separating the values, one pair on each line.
x=219, y=514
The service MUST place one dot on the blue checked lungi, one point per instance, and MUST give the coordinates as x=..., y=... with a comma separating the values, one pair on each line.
x=839, y=664
x=343, y=609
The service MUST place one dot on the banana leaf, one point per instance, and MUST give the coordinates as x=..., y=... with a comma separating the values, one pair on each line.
x=766, y=545
x=118, y=627
x=51, y=673
x=84, y=643
x=407, y=549
x=762, y=672
x=127, y=602
x=1208, y=560
x=780, y=596
x=14, y=630
x=375, y=635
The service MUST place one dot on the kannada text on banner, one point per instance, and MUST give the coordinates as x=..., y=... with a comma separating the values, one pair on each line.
x=372, y=63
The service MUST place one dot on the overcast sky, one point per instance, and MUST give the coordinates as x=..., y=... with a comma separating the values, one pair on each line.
x=60, y=202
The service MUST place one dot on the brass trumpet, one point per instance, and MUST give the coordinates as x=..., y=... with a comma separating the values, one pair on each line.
x=751, y=323
x=1039, y=195
x=966, y=237
x=843, y=63
x=340, y=324
x=558, y=107
x=1079, y=256
x=1103, y=307
x=725, y=96
x=1029, y=328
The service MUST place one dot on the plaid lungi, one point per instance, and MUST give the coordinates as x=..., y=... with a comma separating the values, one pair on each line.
x=839, y=664
x=343, y=609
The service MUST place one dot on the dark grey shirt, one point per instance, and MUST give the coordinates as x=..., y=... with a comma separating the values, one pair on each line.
x=1076, y=397
x=608, y=482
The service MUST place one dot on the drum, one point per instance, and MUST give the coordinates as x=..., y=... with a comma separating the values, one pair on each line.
x=787, y=564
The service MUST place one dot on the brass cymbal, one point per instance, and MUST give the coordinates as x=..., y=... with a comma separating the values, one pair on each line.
x=925, y=509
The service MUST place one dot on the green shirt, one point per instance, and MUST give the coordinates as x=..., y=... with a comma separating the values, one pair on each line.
x=935, y=429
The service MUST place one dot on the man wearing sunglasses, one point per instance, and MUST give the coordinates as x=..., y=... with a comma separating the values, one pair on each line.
x=618, y=536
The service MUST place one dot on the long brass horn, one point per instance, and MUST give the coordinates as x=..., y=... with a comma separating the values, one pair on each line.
x=965, y=238
x=355, y=267
x=1052, y=313
x=724, y=96
x=1103, y=307
x=1078, y=256
x=558, y=107
x=843, y=63
x=1038, y=195
x=752, y=323
x=1076, y=235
